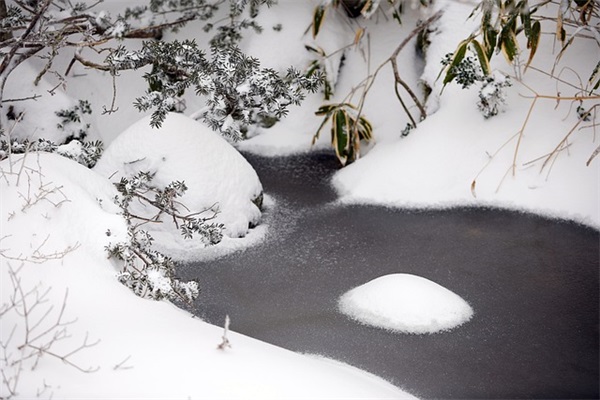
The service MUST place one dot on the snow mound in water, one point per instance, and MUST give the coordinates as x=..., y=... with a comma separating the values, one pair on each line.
x=405, y=303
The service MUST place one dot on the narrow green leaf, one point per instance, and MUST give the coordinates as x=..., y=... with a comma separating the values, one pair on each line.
x=318, y=18
x=533, y=41
x=525, y=17
x=326, y=109
x=317, y=50
x=490, y=36
x=459, y=55
x=339, y=135
x=327, y=90
x=312, y=68
x=509, y=46
x=484, y=62
x=365, y=129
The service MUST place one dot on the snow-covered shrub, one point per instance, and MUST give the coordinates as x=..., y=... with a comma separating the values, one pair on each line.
x=238, y=92
x=466, y=72
x=492, y=96
x=71, y=120
x=85, y=153
x=33, y=109
x=146, y=271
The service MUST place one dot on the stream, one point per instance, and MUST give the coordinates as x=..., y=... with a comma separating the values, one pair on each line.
x=532, y=282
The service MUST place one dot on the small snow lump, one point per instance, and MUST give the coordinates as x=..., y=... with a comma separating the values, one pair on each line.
x=405, y=303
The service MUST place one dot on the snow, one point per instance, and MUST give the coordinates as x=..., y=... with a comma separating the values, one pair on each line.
x=136, y=348
x=455, y=157
x=58, y=216
x=405, y=303
x=37, y=118
x=182, y=149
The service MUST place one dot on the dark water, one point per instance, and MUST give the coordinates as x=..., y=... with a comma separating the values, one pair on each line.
x=532, y=282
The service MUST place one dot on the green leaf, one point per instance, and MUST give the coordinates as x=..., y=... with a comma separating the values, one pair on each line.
x=458, y=56
x=508, y=45
x=317, y=50
x=484, y=62
x=339, y=135
x=525, y=17
x=365, y=129
x=490, y=35
x=533, y=41
x=312, y=68
x=318, y=18
x=326, y=109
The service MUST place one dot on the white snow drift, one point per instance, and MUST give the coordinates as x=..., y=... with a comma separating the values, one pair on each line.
x=405, y=303
x=57, y=217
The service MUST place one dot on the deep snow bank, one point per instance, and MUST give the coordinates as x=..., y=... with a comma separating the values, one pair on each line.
x=456, y=157
x=57, y=217
x=437, y=164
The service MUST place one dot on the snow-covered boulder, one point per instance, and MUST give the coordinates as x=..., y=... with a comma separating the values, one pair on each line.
x=182, y=149
x=405, y=303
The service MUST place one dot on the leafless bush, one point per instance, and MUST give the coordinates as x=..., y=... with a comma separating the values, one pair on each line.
x=32, y=329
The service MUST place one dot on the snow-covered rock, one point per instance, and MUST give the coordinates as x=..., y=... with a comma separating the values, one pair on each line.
x=405, y=303
x=182, y=149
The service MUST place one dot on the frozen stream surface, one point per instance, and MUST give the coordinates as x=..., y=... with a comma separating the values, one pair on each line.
x=532, y=282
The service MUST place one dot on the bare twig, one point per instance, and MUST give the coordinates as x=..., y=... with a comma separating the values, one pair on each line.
x=368, y=82
x=34, y=97
x=121, y=365
x=225, y=343
x=38, y=335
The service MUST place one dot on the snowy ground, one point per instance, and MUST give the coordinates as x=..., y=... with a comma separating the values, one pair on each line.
x=57, y=216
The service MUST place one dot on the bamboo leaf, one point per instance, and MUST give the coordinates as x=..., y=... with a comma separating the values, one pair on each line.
x=484, y=62
x=525, y=17
x=317, y=50
x=560, y=31
x=359, y=34
x=568, y=43
x=490, y=36
x=365, y=129
x=339, y=135
x=318, y=18
x=326, y=109
x=458, y=56
x=533, y=41
x=509, y=46
x=312, y=68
